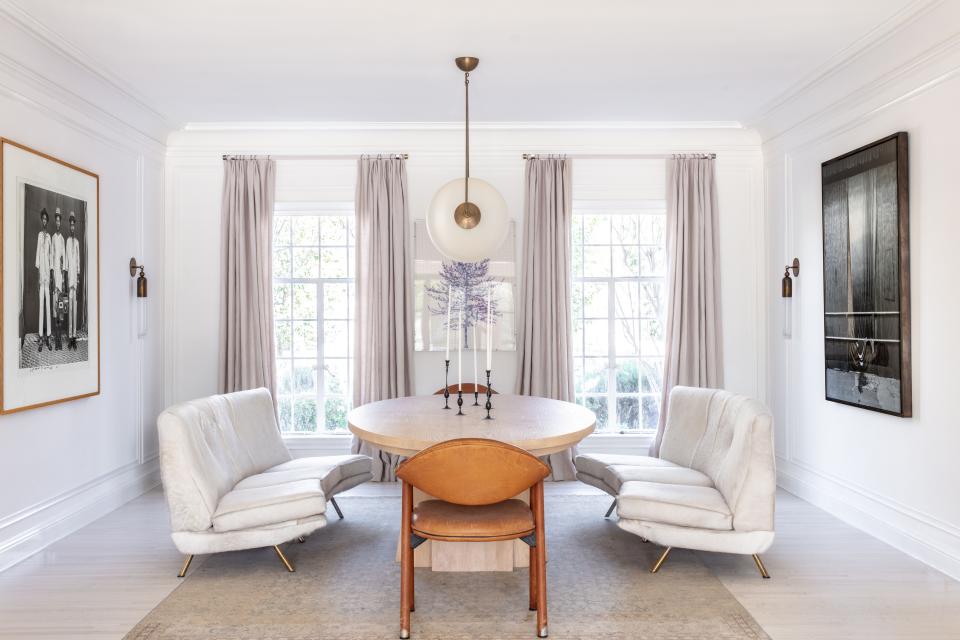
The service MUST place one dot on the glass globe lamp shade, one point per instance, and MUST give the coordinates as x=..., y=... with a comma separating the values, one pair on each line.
x=467, y=245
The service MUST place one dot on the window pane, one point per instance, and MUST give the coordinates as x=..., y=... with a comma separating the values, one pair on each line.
x=627, y=342
x=651, y=411
x=653, y=229
x=626, y=229
x=596, y=262
x=305, y=376
x=335, y=338
x=281, y=231
x=305, y=415
x=626, y=303
x=304, y=301
x=652, y=375
x=596, y=229
x=594, y=375
x=284, y=377
x=284, y=337
x=333, y=263
x=653, y=261
x=577, y=261
x=305, y=339
x=628, y=413
x=597, y=404
x=651, y=300
x=626, y=262
x=651, y=338
x=595, y=333
x=335, y=418
x=335, y=301
x=333, y=230
x=305, y=232
x=281, y=301
x=576, y=299
x=628, y=375
x=577, y=337
x=281, y=263
x=286, y=413
x=306, y=263
x=335, y=379
x=596, y=299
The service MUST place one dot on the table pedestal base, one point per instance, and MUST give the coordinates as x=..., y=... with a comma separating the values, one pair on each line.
x=506, y=555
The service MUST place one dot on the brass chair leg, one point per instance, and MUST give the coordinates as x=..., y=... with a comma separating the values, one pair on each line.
x=613, y=505
x=337, y=508
x=186, y=565
x=661, y=560
x=283, y=559
x=760, y=567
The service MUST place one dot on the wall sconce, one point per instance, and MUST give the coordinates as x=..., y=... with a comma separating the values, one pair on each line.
x=786, y=292
x=141, y=296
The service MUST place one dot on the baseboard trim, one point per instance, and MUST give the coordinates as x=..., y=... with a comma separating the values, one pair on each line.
x=935, y=544
x=31, y=530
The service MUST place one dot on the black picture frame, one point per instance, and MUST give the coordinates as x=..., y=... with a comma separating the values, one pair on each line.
x=865, y=202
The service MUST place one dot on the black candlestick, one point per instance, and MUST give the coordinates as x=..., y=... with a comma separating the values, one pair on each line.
x=446, y=385
x=460, y=400
x=476, y=395
x=489, y=404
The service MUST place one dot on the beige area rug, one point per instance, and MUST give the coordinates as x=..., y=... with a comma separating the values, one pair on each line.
x=347, y=587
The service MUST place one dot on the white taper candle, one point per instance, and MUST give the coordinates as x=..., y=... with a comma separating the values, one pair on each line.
x=463, y=299
x=489, y=330
x=449, y=299
x=476, y=380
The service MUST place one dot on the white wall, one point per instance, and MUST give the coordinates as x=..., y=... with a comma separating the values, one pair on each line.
x=65, y=465
x=895, y=477
x=194, y=171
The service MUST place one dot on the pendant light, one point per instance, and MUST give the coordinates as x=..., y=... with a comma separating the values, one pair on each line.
x=468, y=218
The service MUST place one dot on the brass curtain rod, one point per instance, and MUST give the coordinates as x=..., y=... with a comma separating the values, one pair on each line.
x=332, y=156
x=621, y=156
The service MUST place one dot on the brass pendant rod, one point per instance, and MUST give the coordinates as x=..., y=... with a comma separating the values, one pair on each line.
x=466, y=111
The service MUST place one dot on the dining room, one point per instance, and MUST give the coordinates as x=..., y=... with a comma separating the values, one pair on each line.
x=436, y=321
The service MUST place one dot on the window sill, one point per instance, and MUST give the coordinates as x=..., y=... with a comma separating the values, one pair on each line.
x=330, y=444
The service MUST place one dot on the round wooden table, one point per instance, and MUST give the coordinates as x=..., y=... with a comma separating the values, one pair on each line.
x=405, y=426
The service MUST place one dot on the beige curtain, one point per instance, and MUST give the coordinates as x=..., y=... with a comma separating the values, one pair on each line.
x=545, y=358
x=694, y=354
x=383, y=347
x=246, y=276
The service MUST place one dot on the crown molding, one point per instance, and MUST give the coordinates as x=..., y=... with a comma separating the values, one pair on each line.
x=61, y=45
x=845, y=57
x=458, y=125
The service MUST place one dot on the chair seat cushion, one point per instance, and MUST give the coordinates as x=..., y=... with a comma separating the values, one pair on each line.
x=441, y=520
x=261, y=506
x=612, y=470
x=329, y=470
x=676, y=504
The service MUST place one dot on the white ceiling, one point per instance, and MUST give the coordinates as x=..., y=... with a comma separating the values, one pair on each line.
x=390, y=60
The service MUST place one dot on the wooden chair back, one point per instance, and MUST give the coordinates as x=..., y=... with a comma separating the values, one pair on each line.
x=473, y=471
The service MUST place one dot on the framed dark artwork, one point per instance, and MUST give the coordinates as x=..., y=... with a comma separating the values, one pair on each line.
x=49, y=284
x=866, y=277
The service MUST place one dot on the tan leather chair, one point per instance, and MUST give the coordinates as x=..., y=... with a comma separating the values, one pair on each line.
x=474, y=481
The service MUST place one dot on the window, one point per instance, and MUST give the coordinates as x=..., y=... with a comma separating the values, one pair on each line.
x=619, y=259
x=313, y=303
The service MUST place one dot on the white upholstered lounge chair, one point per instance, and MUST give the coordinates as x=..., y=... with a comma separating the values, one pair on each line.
x=713, y=488
x=231, y=483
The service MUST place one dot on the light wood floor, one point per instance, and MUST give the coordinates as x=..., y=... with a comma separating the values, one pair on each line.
x=829, y=580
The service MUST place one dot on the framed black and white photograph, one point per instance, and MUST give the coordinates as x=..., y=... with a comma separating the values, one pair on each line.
x=50, y=285
x=866, y=277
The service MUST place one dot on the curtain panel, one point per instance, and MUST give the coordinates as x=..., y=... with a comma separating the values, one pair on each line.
x=544, y=345
x=694, y=335
x=246, y=349
x=383, y=347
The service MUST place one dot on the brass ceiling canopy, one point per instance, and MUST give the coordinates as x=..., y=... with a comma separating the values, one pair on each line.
x=467, y=63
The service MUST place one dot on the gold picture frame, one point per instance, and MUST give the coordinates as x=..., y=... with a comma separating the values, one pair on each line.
x=30, y=182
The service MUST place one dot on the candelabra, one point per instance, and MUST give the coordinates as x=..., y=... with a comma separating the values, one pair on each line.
x=460, y=399
x=446, y=385
x=489, y=404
